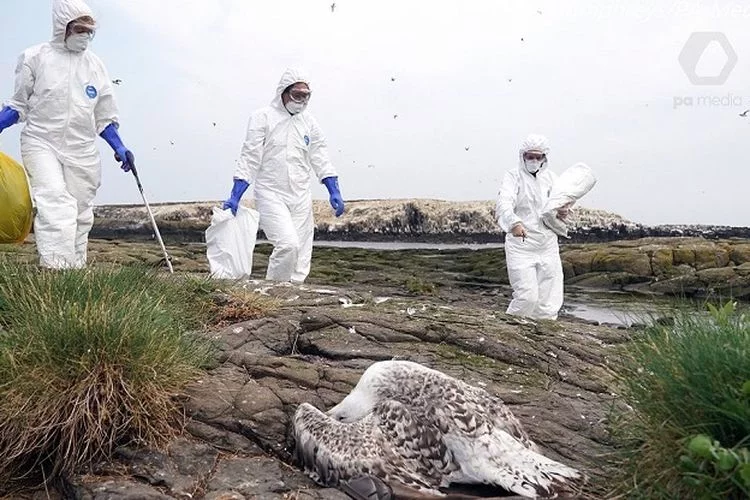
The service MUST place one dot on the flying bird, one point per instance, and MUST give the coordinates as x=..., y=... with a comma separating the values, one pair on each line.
x=744, y=113
x=333, y=6
x=117, y=81
x=466, y=148
x=393, y=78
x=408, y=424
x=214, y=123
x=395, y=116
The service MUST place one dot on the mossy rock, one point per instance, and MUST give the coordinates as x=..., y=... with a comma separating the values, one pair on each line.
x=661, y=261
x=632, y=261
x=743, y=269
x=710, y=256
x=680, y=270
x=718, y=277
x=606, y=280
x=580, y=261
x=568, y=270
x=727, y=281
x=683, y=255
x=740, y=254
x=686, y=285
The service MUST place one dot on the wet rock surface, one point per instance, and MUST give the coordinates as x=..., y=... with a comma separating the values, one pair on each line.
x=556, y=377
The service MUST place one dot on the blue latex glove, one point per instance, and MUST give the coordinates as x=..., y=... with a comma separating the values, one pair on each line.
x=337, y=202
x=238, y=189
x=8, y=117
x=122, y=153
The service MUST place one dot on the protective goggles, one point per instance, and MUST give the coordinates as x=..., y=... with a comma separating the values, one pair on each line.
x=534, y=156
x=300, y=95
x=78, y=28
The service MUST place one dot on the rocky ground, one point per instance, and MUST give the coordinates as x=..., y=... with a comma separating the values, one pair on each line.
x=439, y=308
x=556, y=377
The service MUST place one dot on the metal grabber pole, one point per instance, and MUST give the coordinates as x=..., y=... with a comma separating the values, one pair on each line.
x=167, y=258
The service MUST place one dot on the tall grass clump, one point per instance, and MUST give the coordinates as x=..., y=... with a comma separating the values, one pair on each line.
x=689, y=387
x=91, y=359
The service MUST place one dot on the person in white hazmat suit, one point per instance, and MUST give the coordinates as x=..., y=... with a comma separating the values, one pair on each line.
x=283, y=149
x=65, y=96
x=531, y=250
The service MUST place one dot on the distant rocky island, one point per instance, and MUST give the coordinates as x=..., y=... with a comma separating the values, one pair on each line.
x=417, y=220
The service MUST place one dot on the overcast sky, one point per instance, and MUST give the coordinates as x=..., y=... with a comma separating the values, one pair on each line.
x=402, y=88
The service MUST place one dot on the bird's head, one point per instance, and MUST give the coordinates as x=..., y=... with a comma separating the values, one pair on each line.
x=369, y=391
x=357, y=405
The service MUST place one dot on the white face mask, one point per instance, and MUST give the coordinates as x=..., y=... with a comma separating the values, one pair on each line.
x=78, y=42
x=295, y=107
x=533, y=166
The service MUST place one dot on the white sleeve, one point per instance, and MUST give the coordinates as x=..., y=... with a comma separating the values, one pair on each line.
x=319, y=159
x=23, y=88
x=106, y=110
x=506, y=202
x=252, y=149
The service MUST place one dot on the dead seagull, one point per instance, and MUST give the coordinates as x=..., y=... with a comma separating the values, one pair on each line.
x=412, y=426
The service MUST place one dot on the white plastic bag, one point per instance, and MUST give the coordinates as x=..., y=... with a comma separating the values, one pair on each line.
x=569, y=187
x=230, y=241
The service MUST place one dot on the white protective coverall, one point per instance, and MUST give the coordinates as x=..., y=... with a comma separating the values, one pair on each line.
x=534, y=267
x=66, y=100
x=280, y=154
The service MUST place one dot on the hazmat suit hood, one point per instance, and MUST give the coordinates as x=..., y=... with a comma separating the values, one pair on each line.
x=290, y=77
x=534, y=142
x=64, y=11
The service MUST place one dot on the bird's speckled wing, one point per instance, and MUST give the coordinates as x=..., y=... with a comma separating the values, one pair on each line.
x=389, y=443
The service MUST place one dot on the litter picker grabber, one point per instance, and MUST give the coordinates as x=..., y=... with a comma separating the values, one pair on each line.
x=167, y=258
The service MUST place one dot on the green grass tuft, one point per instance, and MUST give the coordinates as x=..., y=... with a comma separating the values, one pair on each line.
x=91, y=359
x=686, y=380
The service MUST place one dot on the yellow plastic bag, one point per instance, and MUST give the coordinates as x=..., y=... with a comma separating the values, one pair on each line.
x=16, y=212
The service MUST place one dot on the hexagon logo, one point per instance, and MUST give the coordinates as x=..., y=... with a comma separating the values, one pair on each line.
x=694, y=48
